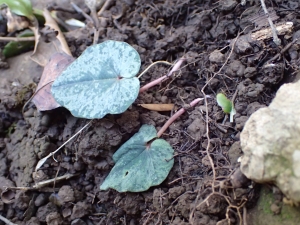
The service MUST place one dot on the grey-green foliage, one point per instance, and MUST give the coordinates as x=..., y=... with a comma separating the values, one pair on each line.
x=101, y=81
x=138, y=166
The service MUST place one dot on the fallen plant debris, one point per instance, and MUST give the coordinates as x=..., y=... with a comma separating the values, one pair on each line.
x=43, y=98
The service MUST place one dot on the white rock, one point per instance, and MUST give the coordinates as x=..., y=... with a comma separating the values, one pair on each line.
x=271, y=142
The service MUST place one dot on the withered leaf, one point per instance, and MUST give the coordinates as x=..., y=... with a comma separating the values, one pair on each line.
x=158, y=107
x=43, y=98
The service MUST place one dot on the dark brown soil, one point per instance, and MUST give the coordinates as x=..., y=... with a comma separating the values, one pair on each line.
x=209, y=34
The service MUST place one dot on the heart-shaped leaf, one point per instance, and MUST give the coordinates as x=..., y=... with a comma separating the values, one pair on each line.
x=140, y=165
x=101, y=81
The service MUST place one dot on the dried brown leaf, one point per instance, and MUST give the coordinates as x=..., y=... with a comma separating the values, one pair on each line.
x=16, y=22
x=158, y=107
x=44, y=50
x=43, y=98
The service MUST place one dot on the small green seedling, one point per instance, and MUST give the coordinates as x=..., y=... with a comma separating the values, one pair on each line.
x=101, y=81
x=226, y=105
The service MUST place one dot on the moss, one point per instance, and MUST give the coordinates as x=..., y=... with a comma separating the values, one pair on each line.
x=263, y=215
x=11, y=129
x=265, y=201
x=24, y=94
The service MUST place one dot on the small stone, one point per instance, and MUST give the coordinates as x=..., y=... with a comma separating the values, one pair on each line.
x=78, y=166
x=66, y=194
x=54, y=218
x=45, y=121
x=227, y=5
x=45, y=210
x=176, y=191
x=216, y=57
x=275, y=208
x=238, y=179
x=235, y=69
x=164, y=99
x=80, y=209
x=249, y=72
x=41, y=199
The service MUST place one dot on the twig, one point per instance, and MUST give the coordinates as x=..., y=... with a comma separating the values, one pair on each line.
x=46, y=182
x=276, y=40
x=96, y=35
x=282, y=51
x=6, y=221
x=244, y=215
x=79, y=10
x=42, y=184
x=92, y=6
x=43, y=160
x=103, y=8
x=17, y=39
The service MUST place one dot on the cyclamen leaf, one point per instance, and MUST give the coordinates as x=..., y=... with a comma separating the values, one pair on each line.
x=138, y=166
x=101, y=81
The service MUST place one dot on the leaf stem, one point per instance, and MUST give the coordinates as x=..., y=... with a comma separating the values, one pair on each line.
x=152, y=64
x=161, y=79
x=176, y=115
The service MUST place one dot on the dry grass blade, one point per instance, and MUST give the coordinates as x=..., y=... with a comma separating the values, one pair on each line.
x=43, y=160
x=43, y=51
x=158, y=107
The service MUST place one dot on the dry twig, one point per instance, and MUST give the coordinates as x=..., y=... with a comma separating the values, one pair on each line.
x=6, y=221
x=17, y=39
x=276, y=40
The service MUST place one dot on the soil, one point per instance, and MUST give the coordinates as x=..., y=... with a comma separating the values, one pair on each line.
x=212, y=35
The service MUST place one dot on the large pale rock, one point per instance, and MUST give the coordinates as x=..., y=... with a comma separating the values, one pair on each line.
x=271, y=142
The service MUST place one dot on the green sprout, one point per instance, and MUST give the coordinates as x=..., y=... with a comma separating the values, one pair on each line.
x=226, y=105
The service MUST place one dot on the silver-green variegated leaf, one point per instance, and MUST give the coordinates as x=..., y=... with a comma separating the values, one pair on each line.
x=138, y=165
x=101, y=81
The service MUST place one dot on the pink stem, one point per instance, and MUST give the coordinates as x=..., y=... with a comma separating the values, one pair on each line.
x=175, y=116
x=161, y=79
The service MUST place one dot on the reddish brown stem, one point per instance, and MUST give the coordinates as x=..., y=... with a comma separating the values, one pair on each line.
x=176, y=115
x=161, y=79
